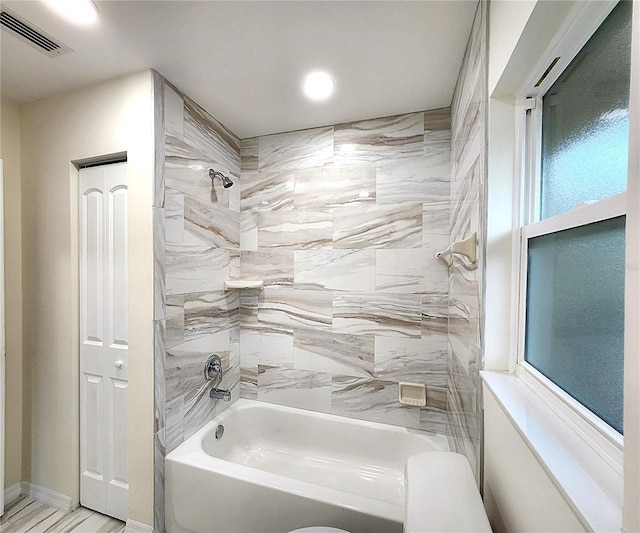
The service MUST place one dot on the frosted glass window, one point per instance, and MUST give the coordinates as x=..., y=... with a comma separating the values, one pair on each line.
x=575, y=313
x=585, y=121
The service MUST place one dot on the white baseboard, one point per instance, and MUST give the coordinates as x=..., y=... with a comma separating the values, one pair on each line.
x=47, y=496
x=11, y=493
x=137, y=527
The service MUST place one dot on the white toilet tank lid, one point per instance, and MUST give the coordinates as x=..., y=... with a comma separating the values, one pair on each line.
x=441, y=495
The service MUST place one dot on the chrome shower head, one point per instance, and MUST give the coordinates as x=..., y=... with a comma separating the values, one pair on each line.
x=226, y=182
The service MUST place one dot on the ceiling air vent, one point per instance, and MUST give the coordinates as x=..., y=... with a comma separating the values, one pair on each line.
x=31, y=34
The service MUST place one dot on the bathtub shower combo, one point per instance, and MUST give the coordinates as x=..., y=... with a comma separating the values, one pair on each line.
x=260, y=467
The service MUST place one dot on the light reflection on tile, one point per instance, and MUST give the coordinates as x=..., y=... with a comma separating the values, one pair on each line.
x=412, y=271
x=334, y=353
x=371, y=399
x=380, y=226
x=267, y=191
x=412, y=180
x=414, y=360
x=295, y=229
x=348, y=270
x=295, y=388
x=335, y=185
x=296, y=150
x=390, y=137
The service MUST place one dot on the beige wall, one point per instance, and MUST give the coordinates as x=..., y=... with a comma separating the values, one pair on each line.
x=10, y=153
x=110, y=118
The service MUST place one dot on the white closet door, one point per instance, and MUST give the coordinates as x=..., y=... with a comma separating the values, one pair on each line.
x=104, y=484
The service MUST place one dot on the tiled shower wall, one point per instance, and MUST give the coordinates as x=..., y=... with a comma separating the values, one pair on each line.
x=343, y=223
x=196, y=240
x=468, y=179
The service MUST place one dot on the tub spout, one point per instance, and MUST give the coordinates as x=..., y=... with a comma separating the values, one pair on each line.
x=220, y=394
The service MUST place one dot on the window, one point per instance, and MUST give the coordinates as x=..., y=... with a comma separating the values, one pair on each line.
x=573, y=236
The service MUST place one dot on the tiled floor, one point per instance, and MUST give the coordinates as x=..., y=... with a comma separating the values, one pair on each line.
x=27, y=515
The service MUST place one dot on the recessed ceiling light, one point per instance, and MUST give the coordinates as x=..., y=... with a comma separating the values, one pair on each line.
x=82, y=12
x=318, y=85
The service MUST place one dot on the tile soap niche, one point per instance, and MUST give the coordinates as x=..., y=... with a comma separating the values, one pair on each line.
x=412, y=394
x=243, y=284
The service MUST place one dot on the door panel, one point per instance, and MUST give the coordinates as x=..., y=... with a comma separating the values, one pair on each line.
x=104, y=483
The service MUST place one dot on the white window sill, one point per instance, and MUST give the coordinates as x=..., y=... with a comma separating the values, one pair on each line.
x=590, y=484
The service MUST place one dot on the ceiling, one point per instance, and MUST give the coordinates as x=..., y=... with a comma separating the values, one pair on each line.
x=244, y=61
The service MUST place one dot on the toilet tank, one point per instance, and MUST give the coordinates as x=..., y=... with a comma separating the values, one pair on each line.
x=441, y=495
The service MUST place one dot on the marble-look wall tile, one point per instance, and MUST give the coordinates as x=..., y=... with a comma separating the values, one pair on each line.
x=437, y=149
x=414, y=360
x=175, y=320
x=174, y=216
x=391, y=315
x=435, y=314
x=187, y=171
x=210, y=224
x=437, y=120
x=195, y=268
x=371, y=399
x=234, y=264
x=159, y=335
x=200, y=240
x=334, y=353
x=434, y=420
x=435, y=219
x=437, y=397
x=264, y=348
x=249, y=382
x=295, y=150
x=159, y=261
x=295, y=229
x=412, y=271
x=211, y=137
x=158, y=482
x=383, y=138
x=184, y=365
x=348, y=270
x=379, y=226
x=248, y=231
x=249, y=300
x=273, y=266
x=468, y=163
x=159, y=119
x=174, y=433
x=249, y=155
x=267, y=191
x=335, y=186
x=417, y=179
x=295, y=388
x=206, y=409
x=286, y=309
x=210, y=312
x=173, y=112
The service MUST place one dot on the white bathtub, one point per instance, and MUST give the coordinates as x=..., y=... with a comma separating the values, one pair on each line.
x=278, y=468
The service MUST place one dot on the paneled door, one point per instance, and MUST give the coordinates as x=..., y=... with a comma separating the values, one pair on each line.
x=104, y=471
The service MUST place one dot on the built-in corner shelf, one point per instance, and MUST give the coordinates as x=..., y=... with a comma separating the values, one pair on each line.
x=243, y=284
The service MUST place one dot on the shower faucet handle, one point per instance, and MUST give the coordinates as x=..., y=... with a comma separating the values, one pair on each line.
x=213, y=368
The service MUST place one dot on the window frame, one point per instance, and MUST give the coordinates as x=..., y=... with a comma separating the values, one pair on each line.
x=526, y=224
